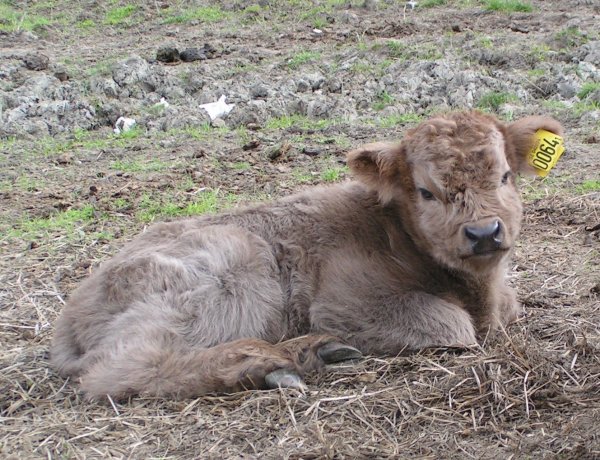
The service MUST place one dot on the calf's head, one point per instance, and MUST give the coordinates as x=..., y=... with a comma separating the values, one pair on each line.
x=452, y=180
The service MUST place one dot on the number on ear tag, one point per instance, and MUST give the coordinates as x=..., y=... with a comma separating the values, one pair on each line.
x=547, y=150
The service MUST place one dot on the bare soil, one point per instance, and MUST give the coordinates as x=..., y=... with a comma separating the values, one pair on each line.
x=72, y=192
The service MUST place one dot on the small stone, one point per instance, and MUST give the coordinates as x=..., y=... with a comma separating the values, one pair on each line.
x=192, y=54
x=36, y=61
x=167, y=54
x=278, y=150
x=61, y=74
x=218, y=123
x=311, y=151
x=253, y=144
x=259, y=91
x=64, y=159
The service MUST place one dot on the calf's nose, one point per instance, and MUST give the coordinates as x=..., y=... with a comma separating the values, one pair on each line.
x=484, y=237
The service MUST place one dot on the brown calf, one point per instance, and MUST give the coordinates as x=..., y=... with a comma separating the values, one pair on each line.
x=412, y=254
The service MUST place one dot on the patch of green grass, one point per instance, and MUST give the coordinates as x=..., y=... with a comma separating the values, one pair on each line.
x=65, y=221
x=334, y=174
x=587, y=89
x=205, y=14
x=361, y=67
x=382, y=100
x=210, y=201
x=101, y=69
x=494, y=100
x=302, y=176
x=536, y=73
x=396, y=49
x=508, y=6
x=241, y=165
x=554, y=105
x=86, y=24
x=485, y=42
x=139, y=166
x=432, y=3
x=570, y=37
x=119, y=15
x=401, y=119
x=586, y=106
x=198, y=133
x=589, y=186
x=299, y=121
x=13, y=20
x=29, y=184
x=538, y=53
x=301, y=58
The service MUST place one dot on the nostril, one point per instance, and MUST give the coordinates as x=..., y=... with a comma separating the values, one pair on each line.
x=497, y=230
x=483, y=232
x=472, y=233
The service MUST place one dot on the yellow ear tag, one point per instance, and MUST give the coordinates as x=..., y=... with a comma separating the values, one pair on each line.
x=547, y=150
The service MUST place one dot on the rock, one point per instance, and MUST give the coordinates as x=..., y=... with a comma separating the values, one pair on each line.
x=218, y=123
x=209, y=51
x=61, y=74
x=568, y=86
x=319, y=108
x=104, y=86
x=311, y=151
x=36, y=61
x=259, y=91
x=167, y=54
x=590, y=52
x=192, y=54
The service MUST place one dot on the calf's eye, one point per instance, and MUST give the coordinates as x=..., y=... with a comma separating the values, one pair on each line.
x=426, y=194
x=505, y=178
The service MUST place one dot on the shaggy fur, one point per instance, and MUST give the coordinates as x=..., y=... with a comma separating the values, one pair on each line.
x=385, y=263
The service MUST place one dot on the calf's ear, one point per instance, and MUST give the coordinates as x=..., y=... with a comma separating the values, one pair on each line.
x=377, y=166
x=520, y=140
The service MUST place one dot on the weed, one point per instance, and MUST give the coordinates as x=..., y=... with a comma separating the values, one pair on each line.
x=65, y=221
x=12, y=20
x=206, y=14
x=86, y=24
x=494, y=100
x=139, y=166
x=588, y=186
x=432, y=3
x=508, y=6
x=301, y=58
x=302, y=176
x=120, y=15
x=570, y=37
x=382, y=100
x=396, y=49
x=485, y=42
x=554, y=105
x=334, y=174
x=587, y=89
x=208, y=202
x=401, y=119
x=241, y=166
x=300, y=121
x=361, y=67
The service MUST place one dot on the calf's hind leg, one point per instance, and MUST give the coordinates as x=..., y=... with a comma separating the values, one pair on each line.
x=164, y=369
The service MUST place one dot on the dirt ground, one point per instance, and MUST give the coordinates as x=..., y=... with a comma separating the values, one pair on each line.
x=309, y=80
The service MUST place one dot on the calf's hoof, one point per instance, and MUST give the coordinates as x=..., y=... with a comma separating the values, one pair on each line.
x=284, y=378
x=335, y=352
